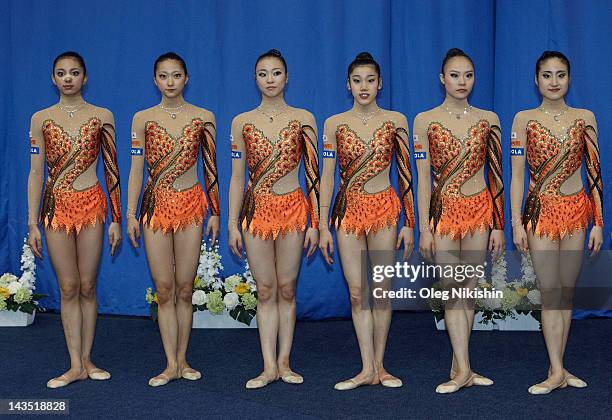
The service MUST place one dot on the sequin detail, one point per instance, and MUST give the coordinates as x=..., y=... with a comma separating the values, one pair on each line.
x=367, y=213
x=355, y=210
x=77, y=209
x=552, y=161
x=278, y=214
x=265, y=213
x=454, y=162
x=67, y=158
x=464, y=215
x=176, y=210
x=164, y=207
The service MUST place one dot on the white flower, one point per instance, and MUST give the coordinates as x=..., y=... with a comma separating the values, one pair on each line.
x=527, y=269
x=534, y=297
x=28, y=262
x=499, y=272
x=199, y=298
x=231, y=282
x=491, y=303
x=27, y=280
x=249, y=276
x=210, y=265
x=231, y=300
x=14, y=286
x=6, y=279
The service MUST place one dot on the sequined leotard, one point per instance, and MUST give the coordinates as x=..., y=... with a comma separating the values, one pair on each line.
x=163, y=206
x=64, y=207
x=454, y=162
x=551, y=162
x=264, y=212
x=355, y=210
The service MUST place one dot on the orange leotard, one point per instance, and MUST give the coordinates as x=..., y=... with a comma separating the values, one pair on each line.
x=163, y=206
x=64, y=207
x=454, y=162
x=551, y=162
x=264, y=212
x=355, y=210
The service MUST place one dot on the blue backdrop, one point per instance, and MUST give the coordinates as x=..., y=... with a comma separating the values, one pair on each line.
x=220, y=41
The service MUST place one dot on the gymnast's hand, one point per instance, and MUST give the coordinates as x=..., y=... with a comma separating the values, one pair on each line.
x=519, y=237
x=235, y=240
x=311, y=240
x=595, y=240
x=326, y=244
x=406, y=235
x=133, y=230
x=35, y=240
x=213, y=226
x=114, y=236
x=497, y=243
x=427, y=246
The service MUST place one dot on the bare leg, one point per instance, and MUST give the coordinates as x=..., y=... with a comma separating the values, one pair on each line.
x=186, y=255
x=351, y=250
x=160, y=253
x=288, y=251
x=89, y=249
x=545, y=256
x=63, y=253
x=473, y=252
x=381, y=249
x=260, y=254
x=572, y=247
x=457, y=324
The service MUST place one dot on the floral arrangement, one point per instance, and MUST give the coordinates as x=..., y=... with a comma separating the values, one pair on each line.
x=17, y=293
x=236, y=294
x=520, y=296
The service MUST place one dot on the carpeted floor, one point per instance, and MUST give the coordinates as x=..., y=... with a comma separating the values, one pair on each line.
x=324, y=352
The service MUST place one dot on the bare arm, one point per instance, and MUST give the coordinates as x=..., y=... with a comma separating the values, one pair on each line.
x=136, y=175
x=326, y=242
x=423, y=164
x=518, y=153
x=518, y=140
x=37, y=169
x=329, y=168
x=236, y=189
x=35, y=182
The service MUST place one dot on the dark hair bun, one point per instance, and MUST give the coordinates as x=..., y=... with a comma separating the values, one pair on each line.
x=452, y=53
x=364, y=56
x=272, y=53
x=552, y=54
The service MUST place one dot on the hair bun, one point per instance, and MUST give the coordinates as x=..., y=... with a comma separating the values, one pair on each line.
x=364, y=56
x=274, y=52
x=453, y=52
